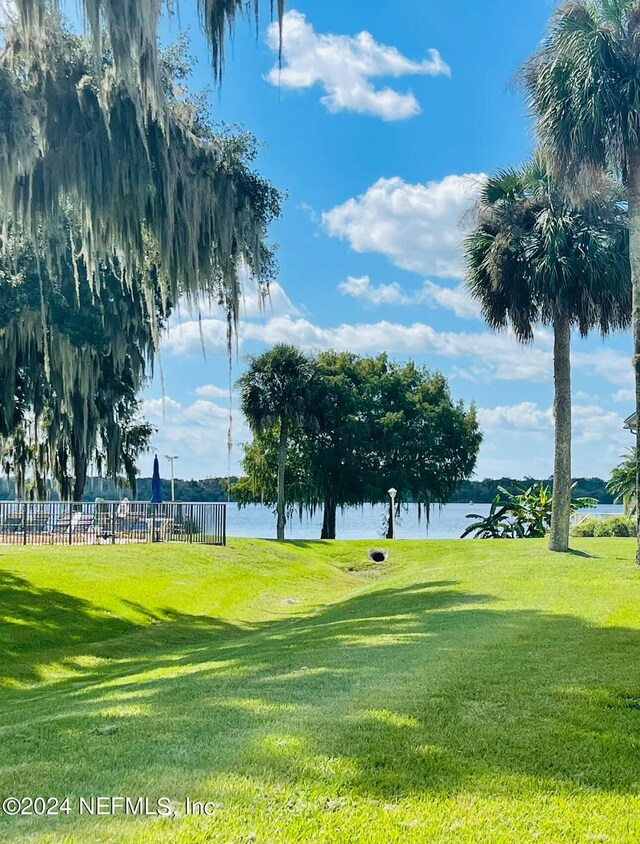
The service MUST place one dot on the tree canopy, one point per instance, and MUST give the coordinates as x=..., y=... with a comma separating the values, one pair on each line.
x=131, y=30
x=535, y=254
x=73, y=357
x=109, y=216
x=378, y=424
x=142, y=181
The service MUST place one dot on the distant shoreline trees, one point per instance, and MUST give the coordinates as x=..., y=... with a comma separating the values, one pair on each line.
x=216, y=489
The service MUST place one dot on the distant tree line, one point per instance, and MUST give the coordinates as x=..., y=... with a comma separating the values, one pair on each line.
x=483, y=492
x=215, y=489
x=207, y=489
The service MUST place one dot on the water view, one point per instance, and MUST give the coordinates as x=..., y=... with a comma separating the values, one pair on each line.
x=446, y=522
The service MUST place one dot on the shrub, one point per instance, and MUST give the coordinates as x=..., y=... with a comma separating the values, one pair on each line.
x=585, y=528
x=614, y=526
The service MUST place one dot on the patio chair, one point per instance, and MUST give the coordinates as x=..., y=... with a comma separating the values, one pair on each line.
x=12, y=523
x=74, y=523
x=38, y=522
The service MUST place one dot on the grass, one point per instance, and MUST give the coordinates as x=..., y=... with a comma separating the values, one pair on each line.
x=461, y=692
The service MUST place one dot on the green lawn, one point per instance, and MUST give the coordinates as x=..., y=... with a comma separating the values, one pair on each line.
x=462, y=692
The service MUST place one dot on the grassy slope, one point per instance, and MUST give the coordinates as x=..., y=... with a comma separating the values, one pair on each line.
x=464, y=692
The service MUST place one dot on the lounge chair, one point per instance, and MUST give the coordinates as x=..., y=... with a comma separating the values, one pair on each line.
x=74, y=523
x=13, y=523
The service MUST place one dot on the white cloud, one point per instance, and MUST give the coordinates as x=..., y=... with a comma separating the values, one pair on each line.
x=479, y=356
x=210, y=391
x=495, y=356
x=582, y=395
x=344, y=66
x=204, y=327
x=419, y=227
x=455, y=299
x=525, y=416
x=594, y=424
x=310, y=211
x=625, y=395
x=607, y=363
x=505, y=428
x=255, y=302
x=418, y=338
x=197, y=433
x=376, y=294
x=195, y=337
x=275, y=303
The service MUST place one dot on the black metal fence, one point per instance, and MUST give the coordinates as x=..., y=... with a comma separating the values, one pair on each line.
x=111, y=522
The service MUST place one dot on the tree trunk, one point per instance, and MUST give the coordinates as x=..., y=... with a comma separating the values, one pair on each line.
x=60, y=473
x=80, y=477
x=561, y=503
x=633, y=191
x=282, y=459
x=329, y=520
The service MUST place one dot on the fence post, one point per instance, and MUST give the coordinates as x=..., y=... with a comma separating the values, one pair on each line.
x=113, y=523
x=24, y=523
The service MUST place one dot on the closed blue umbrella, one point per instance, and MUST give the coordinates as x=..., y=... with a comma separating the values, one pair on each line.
x=156, y=489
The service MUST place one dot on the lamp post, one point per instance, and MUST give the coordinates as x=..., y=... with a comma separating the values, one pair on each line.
x=392, y=495
x=171, y=458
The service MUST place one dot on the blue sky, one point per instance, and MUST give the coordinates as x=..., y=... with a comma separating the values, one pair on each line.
x=380, y=128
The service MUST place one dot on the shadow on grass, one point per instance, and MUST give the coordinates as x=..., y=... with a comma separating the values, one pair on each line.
x=419, y=690
x=33, y=619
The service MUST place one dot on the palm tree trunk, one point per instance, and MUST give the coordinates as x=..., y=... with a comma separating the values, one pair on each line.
x=633, y=190
x=561, y=504
x=282, y=459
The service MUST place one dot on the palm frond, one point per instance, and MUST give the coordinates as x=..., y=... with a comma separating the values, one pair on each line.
x=535, y=254
x=584, y=88
x=278, y=384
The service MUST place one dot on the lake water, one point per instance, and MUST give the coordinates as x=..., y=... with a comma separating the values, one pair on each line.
x=366, y=522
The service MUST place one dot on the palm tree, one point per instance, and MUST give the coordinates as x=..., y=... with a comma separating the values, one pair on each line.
x=534, y=258
x=623, y=483
x=584, y=87
x=276, y=390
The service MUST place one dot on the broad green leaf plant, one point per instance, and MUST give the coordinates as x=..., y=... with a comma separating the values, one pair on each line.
x=525, y=514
